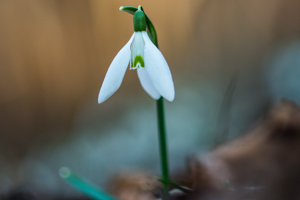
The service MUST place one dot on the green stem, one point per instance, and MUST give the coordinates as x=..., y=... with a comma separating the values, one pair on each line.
x=163, y=143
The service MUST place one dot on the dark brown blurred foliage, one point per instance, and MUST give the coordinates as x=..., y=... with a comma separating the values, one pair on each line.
x=263, y=164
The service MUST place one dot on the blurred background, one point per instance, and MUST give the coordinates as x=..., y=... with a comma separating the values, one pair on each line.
x=230, y=60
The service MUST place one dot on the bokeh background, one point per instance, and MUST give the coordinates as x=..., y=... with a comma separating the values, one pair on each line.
x=230, y=61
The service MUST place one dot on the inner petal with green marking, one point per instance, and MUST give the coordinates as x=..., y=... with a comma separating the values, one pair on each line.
x=137, y=51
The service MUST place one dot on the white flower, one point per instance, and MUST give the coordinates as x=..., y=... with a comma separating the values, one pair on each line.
x=152, y=69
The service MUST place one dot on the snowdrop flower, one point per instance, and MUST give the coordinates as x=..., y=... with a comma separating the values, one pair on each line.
x=152, y=68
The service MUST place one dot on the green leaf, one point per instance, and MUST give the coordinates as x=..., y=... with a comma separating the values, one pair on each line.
x=82, y=185
x=175, y=185
x=128, y=9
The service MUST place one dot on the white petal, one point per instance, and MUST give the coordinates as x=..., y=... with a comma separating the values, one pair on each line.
x=147, y=84
x=158, y=70
x=115, y=73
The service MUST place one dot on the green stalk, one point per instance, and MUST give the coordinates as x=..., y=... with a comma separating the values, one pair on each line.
x=163, y=143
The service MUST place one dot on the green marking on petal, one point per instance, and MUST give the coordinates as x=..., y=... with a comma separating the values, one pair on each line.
x=138, y=59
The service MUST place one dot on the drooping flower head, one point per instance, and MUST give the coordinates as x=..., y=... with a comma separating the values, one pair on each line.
x=152, y=68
